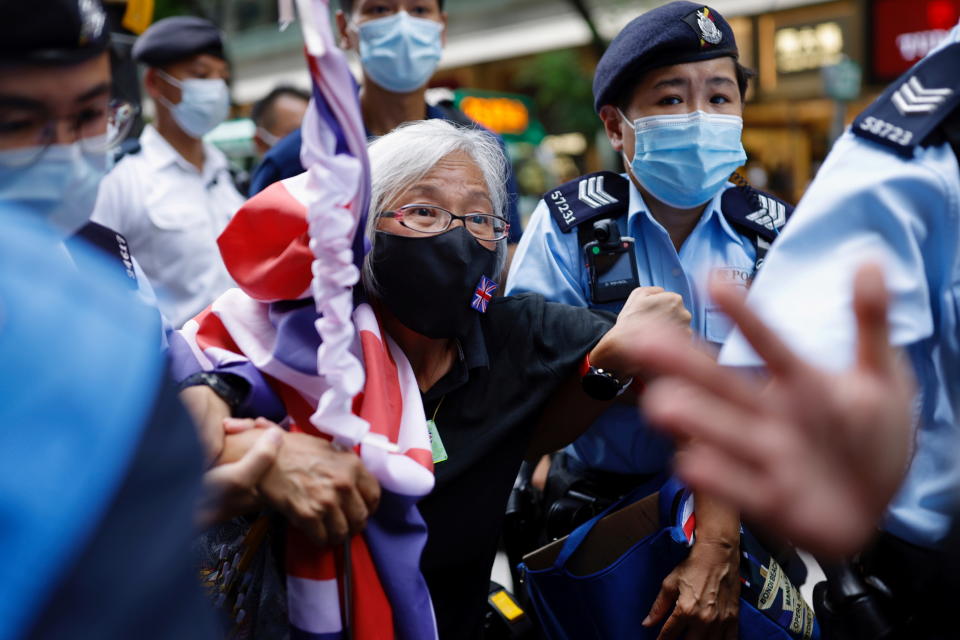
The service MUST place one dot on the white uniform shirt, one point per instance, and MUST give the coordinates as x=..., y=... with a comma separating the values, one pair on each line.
x=171, y=215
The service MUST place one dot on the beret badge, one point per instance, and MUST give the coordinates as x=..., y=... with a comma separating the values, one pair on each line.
x=702, y=23
x=92, y=20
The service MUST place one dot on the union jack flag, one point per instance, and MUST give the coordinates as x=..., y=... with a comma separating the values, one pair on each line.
x=483, y=293
x=350, y=382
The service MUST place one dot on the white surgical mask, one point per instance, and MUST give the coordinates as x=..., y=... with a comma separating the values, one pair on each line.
x=60, y=187
x=268, y=138
x=684, y=160
x=400, y=52
x=204, y=103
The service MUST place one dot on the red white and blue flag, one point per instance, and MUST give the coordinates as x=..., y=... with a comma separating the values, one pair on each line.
x=483, y=293
x=294, y=251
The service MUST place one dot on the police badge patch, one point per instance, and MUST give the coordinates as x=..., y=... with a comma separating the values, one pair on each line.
x=92, y=20
x=702, y=24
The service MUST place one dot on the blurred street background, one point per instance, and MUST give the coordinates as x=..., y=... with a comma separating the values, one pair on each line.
x=523, y=68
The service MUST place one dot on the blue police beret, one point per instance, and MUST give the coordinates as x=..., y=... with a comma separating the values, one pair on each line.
x=59, y=32
x=174, y=39
x=674, y=33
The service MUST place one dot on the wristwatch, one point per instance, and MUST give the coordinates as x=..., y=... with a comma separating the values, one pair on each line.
x=232, y=389
x=601, y=384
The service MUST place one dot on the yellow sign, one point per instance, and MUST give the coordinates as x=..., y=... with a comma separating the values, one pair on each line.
x=138, y=16
x=808, y=48
x=499, y=114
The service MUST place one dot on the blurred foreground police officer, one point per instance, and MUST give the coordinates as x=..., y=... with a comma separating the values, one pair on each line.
x=173, y=197
x=100, y=465
x=670, y=92
x=889, y=192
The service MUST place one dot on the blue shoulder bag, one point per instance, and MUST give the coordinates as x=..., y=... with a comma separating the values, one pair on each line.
x=611, y=603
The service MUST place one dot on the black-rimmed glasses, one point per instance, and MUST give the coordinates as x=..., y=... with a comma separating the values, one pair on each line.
x=428, y=218
x=27, y=133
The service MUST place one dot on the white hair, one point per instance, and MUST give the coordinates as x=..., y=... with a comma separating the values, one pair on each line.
x=408, y=153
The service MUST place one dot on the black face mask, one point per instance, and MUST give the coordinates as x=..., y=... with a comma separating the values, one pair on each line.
x=429, y=282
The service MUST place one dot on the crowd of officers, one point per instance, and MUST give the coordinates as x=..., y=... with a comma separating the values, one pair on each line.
x=843, y=439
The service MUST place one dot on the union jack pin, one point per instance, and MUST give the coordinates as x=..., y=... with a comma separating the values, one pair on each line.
x=483, y=293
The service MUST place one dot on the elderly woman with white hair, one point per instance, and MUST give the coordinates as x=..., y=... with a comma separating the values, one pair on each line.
x=500, y=377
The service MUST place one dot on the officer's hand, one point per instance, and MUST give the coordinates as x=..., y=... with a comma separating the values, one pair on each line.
x=814, y=455
x=704, y=593
x=231, y=489
x=326, y=493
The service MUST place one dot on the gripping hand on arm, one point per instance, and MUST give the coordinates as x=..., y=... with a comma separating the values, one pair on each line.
x=325, y=492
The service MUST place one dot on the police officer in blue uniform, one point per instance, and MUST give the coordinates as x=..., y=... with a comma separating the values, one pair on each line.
x=889, y=193
x=670, y=92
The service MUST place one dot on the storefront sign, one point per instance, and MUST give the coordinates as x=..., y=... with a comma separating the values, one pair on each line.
x=507, y=114
x=904, y=32
x=502, y=115
x=841, y=81
x=808, y=47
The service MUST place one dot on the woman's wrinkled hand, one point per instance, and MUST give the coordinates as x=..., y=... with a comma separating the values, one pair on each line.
x=324, y=491
x=703, y=592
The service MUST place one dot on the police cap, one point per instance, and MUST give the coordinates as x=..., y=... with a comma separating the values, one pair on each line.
x=674, y=33
x=174, y=39
x=58, y=32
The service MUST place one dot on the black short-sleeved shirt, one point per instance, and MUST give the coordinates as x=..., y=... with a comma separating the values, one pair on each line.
x=514, y=359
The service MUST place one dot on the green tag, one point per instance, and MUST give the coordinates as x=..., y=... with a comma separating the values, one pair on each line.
x=436, y=444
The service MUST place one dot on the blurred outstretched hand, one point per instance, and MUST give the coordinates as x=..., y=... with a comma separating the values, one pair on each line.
x=814, y=455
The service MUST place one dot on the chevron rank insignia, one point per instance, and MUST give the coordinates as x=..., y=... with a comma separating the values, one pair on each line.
x=596, y=195
x=912, y=97
x=772, y=214
x=760, y=215
x=914, y=106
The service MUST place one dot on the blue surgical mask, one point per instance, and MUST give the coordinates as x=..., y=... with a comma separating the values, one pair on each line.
x=204, y=103
x=60, y=187
x=399, y=52
x=684, y=160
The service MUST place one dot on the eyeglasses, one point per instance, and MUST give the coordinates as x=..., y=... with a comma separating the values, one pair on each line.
x=31, y=131
x=427, y=218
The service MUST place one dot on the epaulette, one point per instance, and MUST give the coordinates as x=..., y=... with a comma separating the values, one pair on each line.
x=596, y=195
x=914, y=106
x=109, y=242
x=755, y=212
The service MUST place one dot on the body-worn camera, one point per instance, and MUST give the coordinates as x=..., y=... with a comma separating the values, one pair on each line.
x=611, y=263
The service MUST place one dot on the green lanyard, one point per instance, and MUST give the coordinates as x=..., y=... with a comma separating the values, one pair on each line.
x=436, y=444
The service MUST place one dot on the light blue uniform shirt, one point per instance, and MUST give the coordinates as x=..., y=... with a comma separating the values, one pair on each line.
x=551, y=263
x=868, y=204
